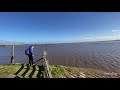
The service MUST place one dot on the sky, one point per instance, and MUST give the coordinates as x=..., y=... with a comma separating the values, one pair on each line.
x=59, y=27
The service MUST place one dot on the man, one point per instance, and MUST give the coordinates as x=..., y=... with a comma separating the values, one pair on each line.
x=31, y=55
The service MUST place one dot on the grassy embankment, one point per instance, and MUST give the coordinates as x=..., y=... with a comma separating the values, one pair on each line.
x=37, y=71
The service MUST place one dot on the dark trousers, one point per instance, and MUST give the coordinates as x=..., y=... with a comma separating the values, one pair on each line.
x=30, y=60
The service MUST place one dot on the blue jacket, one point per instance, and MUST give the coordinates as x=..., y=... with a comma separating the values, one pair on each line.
x=31, y=51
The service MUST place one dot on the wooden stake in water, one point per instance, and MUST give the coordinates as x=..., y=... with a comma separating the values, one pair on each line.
x=12, y=57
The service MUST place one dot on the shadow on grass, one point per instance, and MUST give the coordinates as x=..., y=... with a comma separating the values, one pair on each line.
x=33, y=71
x=40, y=72
x=22, y=66
x=17, y=77
x=28, y=68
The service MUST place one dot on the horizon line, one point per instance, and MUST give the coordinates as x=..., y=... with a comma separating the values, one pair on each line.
x=34, y=43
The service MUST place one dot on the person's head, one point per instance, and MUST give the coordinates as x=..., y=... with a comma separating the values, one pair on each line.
x=32, y=46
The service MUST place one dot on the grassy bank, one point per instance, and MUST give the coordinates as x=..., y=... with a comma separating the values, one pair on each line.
x=37, y=71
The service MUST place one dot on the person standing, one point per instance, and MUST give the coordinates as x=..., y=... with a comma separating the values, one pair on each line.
x=30, y=54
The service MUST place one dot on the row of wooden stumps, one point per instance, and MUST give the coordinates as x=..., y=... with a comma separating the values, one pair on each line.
x=45, y=62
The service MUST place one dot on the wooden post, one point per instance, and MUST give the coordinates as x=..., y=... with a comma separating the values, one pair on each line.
x=12, y=56
x=45, y=63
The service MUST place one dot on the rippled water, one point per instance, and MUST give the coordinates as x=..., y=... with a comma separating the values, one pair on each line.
x=97, y=55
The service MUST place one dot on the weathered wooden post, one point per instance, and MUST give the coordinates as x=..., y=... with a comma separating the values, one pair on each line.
x=45, y=63
x=12, y=55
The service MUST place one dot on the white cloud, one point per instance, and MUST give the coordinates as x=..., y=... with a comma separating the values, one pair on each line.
x=88, y=38
x=108, y=38
x=99, y=38
x=115, y=30
x=95, y=38
x=104, y=37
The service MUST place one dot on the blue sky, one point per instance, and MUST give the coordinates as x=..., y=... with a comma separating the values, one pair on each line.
x=50, y=27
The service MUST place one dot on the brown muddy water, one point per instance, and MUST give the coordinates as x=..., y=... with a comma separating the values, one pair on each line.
x=103, y=55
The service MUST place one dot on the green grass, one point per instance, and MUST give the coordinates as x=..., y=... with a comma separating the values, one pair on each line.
x=25, y=72
x=59, y=71
x=77, y=72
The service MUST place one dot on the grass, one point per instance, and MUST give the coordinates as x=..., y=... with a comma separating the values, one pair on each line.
x=77, y=72
x=59, y=71
x=21, y=70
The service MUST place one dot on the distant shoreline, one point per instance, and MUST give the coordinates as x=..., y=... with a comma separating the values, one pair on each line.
x=3, y=45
